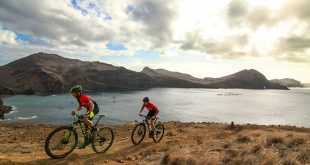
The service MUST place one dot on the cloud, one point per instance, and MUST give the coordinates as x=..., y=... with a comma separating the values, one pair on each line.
x=157, y=17
x=236, y=11
x=294, y=49
x=227, y=29
x=293, y=44
x=259, y=16
x=230, y=47
x=298, y=9
x=7, y=37
x=56, y=22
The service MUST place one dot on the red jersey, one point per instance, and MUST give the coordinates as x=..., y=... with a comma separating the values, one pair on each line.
x=84, y=100
x=150, y=106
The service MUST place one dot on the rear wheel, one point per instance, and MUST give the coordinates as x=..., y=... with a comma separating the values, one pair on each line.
x=103, y=140
x=138, y=133
x=61, y=142
x=158, y=133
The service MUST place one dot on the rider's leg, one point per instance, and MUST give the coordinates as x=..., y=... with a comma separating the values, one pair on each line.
x=87, y=121
x=150, y=128
x=152, y=125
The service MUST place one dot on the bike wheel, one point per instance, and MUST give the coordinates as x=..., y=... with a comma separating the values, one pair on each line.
x=160, y=129
x=138, y=133
x=103, y=140
x=61, y=142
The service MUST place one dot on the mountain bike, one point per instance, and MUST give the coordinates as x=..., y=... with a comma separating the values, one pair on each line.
x=139, y=131
x=62, y=141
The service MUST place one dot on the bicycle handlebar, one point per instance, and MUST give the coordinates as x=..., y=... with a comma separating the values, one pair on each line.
x=141, y=115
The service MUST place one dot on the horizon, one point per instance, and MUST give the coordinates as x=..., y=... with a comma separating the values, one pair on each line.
x=154, y=68
x=203, y=39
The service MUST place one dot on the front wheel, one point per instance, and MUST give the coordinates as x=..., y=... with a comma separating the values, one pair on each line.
x=103, y=140
x=138, y=133
x=61, y=142
x=158, y=133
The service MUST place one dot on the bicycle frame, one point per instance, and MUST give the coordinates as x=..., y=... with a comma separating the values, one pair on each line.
x=79, y=121
x=146, y=121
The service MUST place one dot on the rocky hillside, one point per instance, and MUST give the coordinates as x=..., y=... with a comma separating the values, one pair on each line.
x=6, y=91
x=288, y=82
x=43, y=74
x=165, y=78
x=249, y=79
x=49, y=73
x=306, y=85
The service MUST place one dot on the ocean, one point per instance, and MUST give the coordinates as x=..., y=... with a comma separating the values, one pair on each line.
x=267, y=107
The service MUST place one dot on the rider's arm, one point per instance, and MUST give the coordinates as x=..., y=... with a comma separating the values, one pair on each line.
x=78, y=108
x=91, y=106
x=157, y=111
x=142, y=108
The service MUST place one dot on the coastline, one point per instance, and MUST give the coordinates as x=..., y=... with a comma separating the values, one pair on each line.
x=4, y=109
x=199, y=143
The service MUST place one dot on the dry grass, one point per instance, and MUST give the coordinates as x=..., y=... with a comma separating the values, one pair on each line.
x=243, y=139
x=186, y=143
x=181, y=159
x=304, y=156
x=274, y=140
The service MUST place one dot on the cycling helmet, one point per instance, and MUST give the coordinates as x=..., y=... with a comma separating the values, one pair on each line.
x=76, y=88
x=146, y=99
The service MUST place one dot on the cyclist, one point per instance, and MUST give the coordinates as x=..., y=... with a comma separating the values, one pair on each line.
x=86, y=102
x=153, y=112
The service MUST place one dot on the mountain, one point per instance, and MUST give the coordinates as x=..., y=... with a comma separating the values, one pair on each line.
x=288, y=82
x=6, y=91
x=165, y=78
x=306, y=84
x=43, y=74
x=249, y=79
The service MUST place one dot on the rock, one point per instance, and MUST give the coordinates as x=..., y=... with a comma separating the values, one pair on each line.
x=123, y=139
x=25, y=152
x=232, y=125
x=4, y=109
x=131, y=158
x=120, y=161
x=106, y=161
x=170, y=133
x=226, y=145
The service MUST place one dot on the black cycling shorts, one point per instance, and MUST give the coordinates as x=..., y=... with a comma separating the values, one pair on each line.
x=151, y=114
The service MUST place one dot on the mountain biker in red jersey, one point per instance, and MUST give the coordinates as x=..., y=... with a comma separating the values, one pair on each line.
x=153, y=112
x=86, y=102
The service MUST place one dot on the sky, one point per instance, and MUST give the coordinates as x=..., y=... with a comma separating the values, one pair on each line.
x=204, y=38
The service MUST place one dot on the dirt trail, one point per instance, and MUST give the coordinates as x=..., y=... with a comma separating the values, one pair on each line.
x=184, y=143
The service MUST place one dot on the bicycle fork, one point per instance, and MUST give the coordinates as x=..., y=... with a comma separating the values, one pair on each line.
x=67, y=135
x=85, y=133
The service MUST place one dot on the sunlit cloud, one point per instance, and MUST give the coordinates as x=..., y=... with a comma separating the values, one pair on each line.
x=225, y=30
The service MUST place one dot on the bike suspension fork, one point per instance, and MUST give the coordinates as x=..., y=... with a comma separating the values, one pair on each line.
x=68, y=133
x=84, y=130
